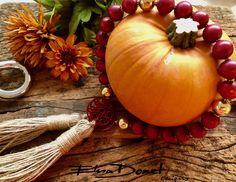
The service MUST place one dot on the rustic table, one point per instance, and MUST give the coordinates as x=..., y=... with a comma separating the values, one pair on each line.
x=211, y=159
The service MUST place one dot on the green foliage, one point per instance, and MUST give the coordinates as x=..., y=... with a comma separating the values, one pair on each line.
x=78, y=16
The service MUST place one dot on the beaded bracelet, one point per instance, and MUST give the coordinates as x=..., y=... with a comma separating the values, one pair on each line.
x=104, y=110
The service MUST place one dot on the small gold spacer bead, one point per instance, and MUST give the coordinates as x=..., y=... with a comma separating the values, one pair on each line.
x=106, y=92
x=146, y=5
x=123, y=123
x=221, y=108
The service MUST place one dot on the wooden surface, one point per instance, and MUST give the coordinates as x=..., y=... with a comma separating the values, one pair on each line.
x=211, y=159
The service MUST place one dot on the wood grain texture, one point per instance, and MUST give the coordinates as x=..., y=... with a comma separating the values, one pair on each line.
x=211, y=159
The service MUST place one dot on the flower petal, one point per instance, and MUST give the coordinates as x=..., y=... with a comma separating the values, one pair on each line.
x=50, y=64
x=54, y=46
x=55, y=73
x=71, y=39
x=65, y=75
x=85, y=51
x=49, y=55
x=63, y=67
x=81, y=44
x=84, y=61
x=74, y=76
x=43, y=48
x=82, y=71
x=60, y=41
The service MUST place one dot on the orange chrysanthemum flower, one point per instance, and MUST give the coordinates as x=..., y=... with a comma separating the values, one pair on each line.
x=68, y=60
x=28, y=37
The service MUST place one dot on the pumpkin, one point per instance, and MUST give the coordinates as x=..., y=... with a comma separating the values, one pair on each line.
x=158, y=83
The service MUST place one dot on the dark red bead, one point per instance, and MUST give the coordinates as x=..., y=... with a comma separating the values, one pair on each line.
x=227, y=89
x=165, y=6
x=212, y=33
x=183, y=10
x=130, y=6
x=222, y=49
x=100, y=52
x=106, y=24
x=102, y=111
x=197, y=130
x=100, y=66
x=103, y=79
x=102, y=38
x=115, y=12
x=138, y=128
x=228, y=69
x=168, y=135
x=210, y=120
x=182, y=134
x=151, y=132
x=201, y=17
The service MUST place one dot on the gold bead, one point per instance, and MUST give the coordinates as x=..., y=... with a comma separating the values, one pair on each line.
x=146, y=5
x=123, y=123
x=221, y=108
x=106, y=92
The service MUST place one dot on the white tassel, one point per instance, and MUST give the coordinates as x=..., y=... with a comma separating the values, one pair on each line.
x=27, y=165
x=18, y=131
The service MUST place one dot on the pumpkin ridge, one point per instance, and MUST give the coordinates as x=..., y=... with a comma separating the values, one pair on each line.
x=131, y=48
x=144, y=83
x=200, y=51
x=133, y=65
x=163, y=61
x=186, y=110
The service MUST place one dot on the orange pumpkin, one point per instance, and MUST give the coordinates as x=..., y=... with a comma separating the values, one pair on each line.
x=159, y=84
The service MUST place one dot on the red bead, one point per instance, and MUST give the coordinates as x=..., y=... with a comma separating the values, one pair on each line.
x=210, y=120
x=228, y=69
x=183, y=10
x=197, y=130
x=115, y=12
x=201, y=17
x=165, y=6
x=151, y=132
x=103, y=79
x=106, y=25
x=212, y=33
x=138, y=127
x=100, y=66
x=130, y=6
x=182, y=134
x=227, y=89
x=222, y=49
x=100, y=52
x=168, y=135
x=102, y=38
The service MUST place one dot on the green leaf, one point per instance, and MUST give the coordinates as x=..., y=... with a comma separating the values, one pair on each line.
x=48, y=4
x=62, y=26
x=116, y=1
x=100, y=4
x=96, y=10
x=75, y=19
x=85, y=15
x=65, y=3
x=89, y=36
x=58, y=6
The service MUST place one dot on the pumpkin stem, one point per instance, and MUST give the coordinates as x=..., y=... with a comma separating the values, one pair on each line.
x=182, y=33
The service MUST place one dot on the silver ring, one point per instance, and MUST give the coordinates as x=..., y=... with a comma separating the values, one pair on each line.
x=9, y=94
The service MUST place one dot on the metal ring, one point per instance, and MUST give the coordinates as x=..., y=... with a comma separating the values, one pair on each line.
x=9, y=94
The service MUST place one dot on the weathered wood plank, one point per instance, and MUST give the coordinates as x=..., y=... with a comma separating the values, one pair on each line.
x=211, y=159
